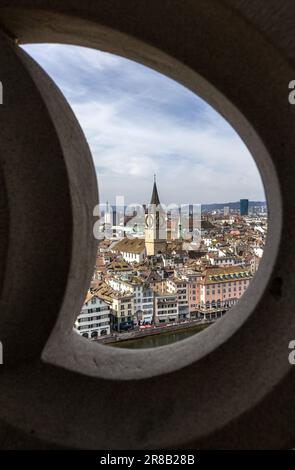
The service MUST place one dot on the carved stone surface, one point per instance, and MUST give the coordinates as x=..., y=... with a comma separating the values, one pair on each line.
x=229, y=387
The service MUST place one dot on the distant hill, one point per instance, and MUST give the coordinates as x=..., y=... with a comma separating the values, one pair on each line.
x=215, y=206
x=231, y=205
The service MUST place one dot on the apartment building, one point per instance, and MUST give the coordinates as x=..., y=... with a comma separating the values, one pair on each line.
x=122, y=311
x=143, y=295
x=179, y=286
x=193, y=292
x=222, y=261
x=165, y=308
x=221, y=288
x=94, y=318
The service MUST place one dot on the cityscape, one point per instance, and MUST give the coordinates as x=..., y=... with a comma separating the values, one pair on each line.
x=169, y=277
x=163, y=271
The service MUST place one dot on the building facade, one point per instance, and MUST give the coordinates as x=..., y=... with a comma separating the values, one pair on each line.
x=221, y=288
x=142, y=293
x=94, y=318
x=165, y=308
x=122, y=311
x=179, y=286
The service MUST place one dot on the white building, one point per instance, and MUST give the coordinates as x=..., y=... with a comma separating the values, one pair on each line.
x=180, y=288
x=94, y=319
x=165, y=308
x=132, y=250
x=224, y=261
x=147, y=305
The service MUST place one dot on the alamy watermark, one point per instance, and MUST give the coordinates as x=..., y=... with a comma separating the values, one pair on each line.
x=292, y=93
x=291, y=356
x=165, y=222
x=1, y=353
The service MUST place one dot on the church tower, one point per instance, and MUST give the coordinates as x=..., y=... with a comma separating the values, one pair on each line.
x=155, y=225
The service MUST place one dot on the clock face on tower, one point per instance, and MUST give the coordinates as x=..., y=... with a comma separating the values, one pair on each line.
x=149, y=221
x=151, y=224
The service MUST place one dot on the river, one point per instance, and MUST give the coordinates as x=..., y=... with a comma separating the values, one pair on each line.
x=161, y=339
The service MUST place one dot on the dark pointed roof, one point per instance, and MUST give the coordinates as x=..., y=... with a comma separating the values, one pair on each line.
x=155, y=196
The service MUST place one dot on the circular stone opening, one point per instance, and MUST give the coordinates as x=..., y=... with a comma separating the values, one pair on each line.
x=106, y=362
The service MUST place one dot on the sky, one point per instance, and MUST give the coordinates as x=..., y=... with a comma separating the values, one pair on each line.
x=139, y=123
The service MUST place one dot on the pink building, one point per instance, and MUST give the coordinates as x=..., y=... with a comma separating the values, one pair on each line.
x=194, y=294
x=219, y=289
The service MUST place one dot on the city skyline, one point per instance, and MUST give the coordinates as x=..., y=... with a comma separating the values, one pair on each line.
x=138, y=122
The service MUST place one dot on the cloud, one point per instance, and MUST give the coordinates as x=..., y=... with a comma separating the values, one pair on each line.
x=139, y=122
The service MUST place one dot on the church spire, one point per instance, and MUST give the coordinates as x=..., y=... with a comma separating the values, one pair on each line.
x=155, y=196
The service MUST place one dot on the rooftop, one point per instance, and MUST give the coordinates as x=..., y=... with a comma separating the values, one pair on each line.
x=213, y=275
x=130, y=245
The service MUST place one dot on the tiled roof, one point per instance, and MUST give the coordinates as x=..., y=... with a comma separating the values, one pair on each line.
x=119, y=265
x=106, y=293
x=130, y=245
x=231, y=273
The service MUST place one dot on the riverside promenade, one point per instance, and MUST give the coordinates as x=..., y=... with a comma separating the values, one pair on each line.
x=153, y=330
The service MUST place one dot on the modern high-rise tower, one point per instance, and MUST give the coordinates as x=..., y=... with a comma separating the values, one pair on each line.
x=155, y=225
x=244, y=206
